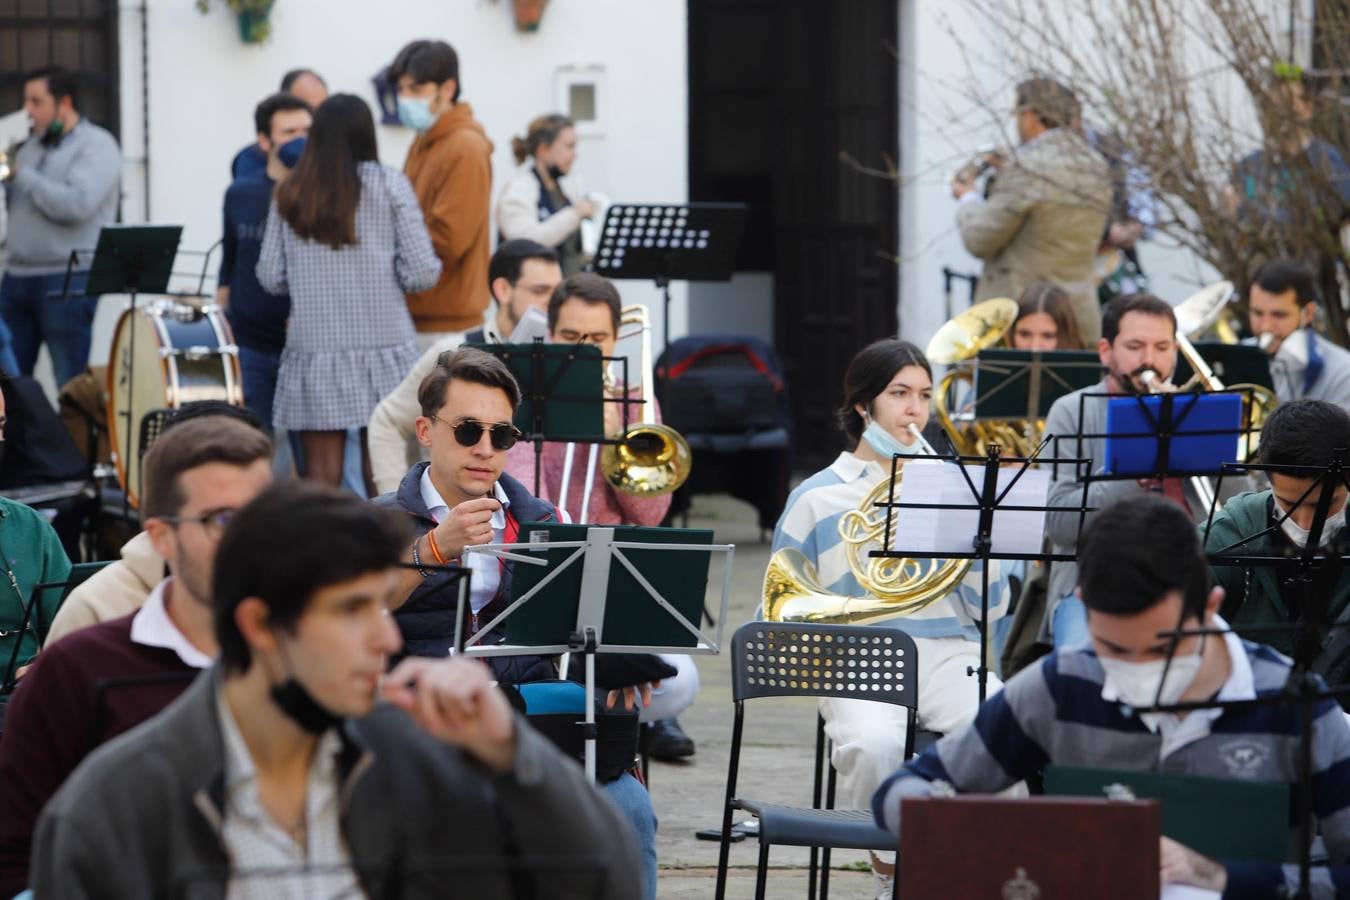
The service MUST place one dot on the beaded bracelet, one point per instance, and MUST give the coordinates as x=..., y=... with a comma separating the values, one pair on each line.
x=417, y=561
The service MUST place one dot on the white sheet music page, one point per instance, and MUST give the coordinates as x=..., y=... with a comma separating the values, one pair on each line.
x=951, y=530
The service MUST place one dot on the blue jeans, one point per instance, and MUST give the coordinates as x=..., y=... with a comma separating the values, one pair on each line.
x=35, y=311
x=635, y=804
x=258, y=372
x=1068, y=626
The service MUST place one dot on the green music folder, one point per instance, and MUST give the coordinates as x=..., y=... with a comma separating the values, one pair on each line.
x=1222, y=818
x=1231, y=363
x=1006, y=380
x=632, y=617
x=564, y=381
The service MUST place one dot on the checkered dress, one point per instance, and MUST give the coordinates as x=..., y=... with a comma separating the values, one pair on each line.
x=350, y=339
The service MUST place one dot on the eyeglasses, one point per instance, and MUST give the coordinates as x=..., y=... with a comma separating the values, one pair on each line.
x=470, y=431
x=213, y=522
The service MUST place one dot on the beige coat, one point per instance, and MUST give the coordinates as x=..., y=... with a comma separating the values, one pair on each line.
x=1043, y=221
x=112, y=592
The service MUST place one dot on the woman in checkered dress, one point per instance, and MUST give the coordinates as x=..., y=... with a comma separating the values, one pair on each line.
x=346, y=239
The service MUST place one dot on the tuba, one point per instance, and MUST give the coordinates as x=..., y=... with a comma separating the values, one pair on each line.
x=958, y=341
x=1204, y=310
x=792, y=590
x=651, y=459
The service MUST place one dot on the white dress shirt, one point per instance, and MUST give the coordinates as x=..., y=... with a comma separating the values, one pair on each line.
x=487, y=573
x=152, y=627
x=268, y=862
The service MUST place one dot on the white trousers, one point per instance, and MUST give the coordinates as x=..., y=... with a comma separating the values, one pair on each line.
x=869, y=737
x=675, y=695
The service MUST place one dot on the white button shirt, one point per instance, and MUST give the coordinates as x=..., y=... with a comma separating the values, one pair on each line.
x=487, y=573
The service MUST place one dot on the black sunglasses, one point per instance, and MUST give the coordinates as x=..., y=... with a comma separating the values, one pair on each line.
x=469, y=432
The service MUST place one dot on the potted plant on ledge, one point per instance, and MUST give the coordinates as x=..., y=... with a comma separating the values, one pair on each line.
x=254, y=18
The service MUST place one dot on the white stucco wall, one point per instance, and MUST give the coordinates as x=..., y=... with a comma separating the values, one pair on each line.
x=949, y=95
x=204, y=84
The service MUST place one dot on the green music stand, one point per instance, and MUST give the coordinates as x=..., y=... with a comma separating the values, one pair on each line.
x=602, y=589
x=1024, y=384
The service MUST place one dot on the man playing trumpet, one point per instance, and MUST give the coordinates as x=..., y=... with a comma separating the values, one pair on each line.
x=888, y=390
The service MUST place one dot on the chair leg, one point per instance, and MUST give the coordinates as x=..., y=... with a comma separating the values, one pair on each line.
x=761, y=875
x=812, y=873
x=825, y=874
x=895, y=879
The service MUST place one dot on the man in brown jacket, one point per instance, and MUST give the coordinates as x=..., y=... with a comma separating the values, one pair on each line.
x=450, y=167
x=1046, y=209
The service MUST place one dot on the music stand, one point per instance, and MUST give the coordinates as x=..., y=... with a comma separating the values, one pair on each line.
x=587, y=607
x=664, y=242
x=1313, y=613
x=986, y=498
x=1024, y=384
x=129, y=259
x=562, y=397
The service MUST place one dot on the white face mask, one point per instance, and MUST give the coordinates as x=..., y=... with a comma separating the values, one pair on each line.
x=1298, y=535
x=1136, y=683
x=1293, y=351
x=533, y=324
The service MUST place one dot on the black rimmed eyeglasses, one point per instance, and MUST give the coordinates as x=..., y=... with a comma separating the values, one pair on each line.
x=213, y=522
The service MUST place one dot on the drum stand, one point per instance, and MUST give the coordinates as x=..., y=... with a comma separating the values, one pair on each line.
x=130, y=259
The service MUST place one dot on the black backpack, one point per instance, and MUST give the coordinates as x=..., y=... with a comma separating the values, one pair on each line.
x=721, y=384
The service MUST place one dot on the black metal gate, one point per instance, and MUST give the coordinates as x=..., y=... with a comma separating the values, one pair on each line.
x=80, y=35
x=781, y=91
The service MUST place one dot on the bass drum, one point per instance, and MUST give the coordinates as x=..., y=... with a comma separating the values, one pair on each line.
x=165, y=354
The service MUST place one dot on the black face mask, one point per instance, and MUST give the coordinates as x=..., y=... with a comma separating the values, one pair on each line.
x=301, y=707
x=555, y=173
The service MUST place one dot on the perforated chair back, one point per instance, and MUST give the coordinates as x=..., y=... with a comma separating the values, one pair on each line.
x=866, y=662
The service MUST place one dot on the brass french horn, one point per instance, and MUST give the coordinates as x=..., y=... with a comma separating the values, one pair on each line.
x=895, y=587
x=957, y=342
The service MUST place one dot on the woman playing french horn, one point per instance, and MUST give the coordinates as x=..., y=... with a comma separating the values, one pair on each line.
x=888, y=390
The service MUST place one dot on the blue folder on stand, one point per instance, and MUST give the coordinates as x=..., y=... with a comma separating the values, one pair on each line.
x=1204, y=433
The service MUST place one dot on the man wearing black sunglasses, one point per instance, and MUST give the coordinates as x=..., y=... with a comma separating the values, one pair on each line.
x=461, y=497
x=104, y=679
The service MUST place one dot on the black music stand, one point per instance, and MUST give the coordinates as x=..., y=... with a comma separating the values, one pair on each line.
x=987, y=498
x=1302, y=685
x=664, y=242
x=1024, y=384
x=562, y=395
x=130, y=259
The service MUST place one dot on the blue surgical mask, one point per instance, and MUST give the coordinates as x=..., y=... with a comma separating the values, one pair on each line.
x=885, y=443
x=289, y=153
x=415, y=112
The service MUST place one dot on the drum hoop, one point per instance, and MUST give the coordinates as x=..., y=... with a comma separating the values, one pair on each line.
x=116, y=441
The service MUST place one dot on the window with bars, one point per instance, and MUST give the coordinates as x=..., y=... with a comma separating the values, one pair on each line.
x=80, y=35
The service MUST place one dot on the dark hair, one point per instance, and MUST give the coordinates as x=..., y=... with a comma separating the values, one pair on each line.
x=292, y=540
x=1052, y=300
x=290, y=78
x=870, y=370
x=1279, y=275
x=185, y=445
x=426, y=61
x=1052, y=102
x=589, y=287
x=61, y=82
x=1138, y=549
x=198, y=408
x=1304, y=433
x=264, y=111
x=465, y=364
x=1148, y=304
x=542, y=131
x=510, y=258
x=320, y=197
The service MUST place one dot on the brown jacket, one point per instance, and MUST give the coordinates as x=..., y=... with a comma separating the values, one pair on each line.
x=450, y=167
x=1043, y=220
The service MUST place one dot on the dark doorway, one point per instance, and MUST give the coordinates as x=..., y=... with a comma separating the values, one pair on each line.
x=780, y=91
x=80, y=35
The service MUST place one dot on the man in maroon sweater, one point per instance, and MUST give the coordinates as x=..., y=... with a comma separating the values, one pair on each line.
x=103, y=680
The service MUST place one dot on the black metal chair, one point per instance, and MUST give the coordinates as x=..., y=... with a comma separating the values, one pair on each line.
x=773, y=659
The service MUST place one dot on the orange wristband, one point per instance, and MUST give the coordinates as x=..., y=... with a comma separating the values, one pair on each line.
x=435, y=551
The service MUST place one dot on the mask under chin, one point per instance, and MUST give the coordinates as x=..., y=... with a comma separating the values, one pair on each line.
x=299, y=705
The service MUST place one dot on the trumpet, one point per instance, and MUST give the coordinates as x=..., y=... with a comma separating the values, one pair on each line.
x=986, y=160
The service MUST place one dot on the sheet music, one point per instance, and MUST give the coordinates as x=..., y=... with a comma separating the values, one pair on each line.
x=953, y=530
